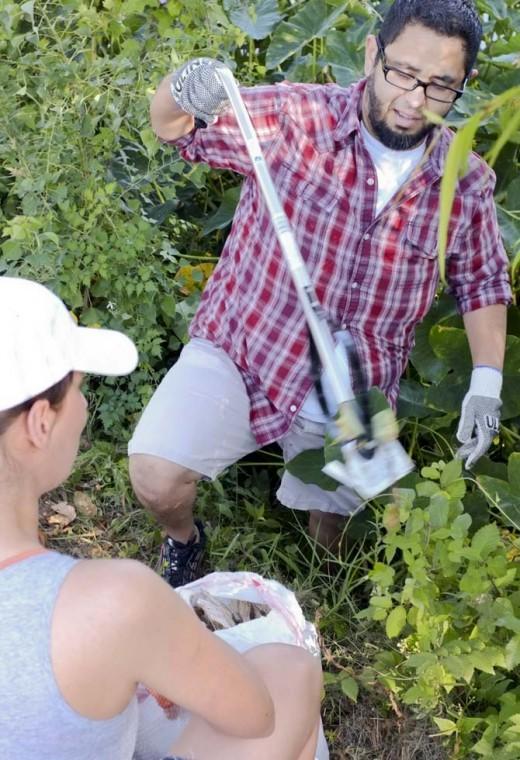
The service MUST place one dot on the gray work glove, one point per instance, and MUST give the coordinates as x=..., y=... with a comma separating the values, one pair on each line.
x=197, y=89
x=480, y=415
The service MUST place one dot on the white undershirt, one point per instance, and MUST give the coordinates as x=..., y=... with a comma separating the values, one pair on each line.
x=393, y=168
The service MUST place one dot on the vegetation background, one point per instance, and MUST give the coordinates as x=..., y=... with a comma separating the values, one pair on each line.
x=420, y=621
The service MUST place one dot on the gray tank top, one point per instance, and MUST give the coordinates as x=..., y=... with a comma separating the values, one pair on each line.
x=35, y=721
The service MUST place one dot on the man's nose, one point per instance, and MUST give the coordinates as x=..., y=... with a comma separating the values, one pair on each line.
x=416, y=98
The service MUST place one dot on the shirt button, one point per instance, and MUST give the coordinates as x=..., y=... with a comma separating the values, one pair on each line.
x=370, y=181
x=293, y=407
x=355, y=285
x=366, y=237
x=344, y=326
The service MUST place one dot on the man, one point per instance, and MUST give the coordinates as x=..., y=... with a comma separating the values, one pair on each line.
x=358, y=171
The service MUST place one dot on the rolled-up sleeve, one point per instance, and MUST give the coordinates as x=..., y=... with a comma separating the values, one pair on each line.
x=221, y=145
x=478, y=268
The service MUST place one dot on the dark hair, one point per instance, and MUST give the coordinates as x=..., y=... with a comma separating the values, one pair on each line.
x=452, y=18
x=54, y=395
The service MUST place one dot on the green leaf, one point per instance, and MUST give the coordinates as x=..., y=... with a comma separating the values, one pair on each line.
x=350, y=687
x=507, y=132
x=486, y=540
x=413, y=401
x=429, y=366
x=513, y=472
x=451, y=472
x=308, y=465
x=500, y=495
x=382, y=575
x=451, y=345
x=311, y=21
x=461, y=526
x=513, y=652
x=487, y=659
x=345, y=57
x=224, y=215
x=431, y=473
x=454, y=167
x=256, y=19
x=447, y=727
x=427, y=488
x=439, y=510
x=395, y=622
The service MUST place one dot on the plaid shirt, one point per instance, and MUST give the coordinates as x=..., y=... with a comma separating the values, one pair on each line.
x=377, y=275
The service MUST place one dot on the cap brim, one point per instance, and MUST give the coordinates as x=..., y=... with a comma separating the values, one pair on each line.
x=104, y=352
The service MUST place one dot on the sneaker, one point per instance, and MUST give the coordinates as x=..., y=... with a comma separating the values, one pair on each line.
x=181, y=563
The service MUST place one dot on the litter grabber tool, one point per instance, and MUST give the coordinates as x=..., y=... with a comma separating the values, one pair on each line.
x=373, y=458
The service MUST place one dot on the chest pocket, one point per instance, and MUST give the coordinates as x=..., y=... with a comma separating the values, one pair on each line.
x=421, y=241
x=300, y=190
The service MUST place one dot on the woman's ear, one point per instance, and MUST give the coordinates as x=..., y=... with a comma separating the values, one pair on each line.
x=39, y=422
x=370, y=54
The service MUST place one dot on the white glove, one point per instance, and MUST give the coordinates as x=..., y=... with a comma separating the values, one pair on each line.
x=480, y=414
x=197, y=89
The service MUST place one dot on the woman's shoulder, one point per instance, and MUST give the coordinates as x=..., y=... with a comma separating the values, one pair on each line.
x=104, y=587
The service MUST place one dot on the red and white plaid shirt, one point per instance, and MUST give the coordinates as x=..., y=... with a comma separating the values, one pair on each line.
x=374, y=274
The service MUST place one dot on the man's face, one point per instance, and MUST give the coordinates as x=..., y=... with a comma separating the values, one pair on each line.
x=393, y=115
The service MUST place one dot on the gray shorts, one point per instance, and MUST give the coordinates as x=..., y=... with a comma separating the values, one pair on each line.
x=199, y=418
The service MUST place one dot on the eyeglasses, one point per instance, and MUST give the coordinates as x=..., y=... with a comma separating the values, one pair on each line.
x=408, y=82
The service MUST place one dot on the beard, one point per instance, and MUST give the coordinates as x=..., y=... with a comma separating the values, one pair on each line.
x=389, y=137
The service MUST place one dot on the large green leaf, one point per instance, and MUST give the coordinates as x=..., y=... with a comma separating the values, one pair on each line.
x=223, y=216
x=343, y=56
x=500, y=495
x=429, y=366
x=510, y=229
x=313, y=20
x=413, y=401
x=449, y=393
x=513, y=472
x=496, y=8
x=456, y=163
x=454, y=168
x=395, y=622
x=256, y=19
x=451, y=345
x=308, y=466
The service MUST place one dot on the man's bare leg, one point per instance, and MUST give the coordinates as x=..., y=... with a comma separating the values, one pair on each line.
x=168, y=491
x=327, y=529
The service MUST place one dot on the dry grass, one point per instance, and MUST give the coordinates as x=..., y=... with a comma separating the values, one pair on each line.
x=363, y=733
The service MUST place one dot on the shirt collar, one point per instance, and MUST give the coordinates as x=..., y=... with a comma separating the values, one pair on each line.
x=349, y=121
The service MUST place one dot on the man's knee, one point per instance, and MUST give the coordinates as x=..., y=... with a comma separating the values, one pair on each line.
x=162, y=486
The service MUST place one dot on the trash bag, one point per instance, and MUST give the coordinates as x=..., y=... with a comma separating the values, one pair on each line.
x=245, y=610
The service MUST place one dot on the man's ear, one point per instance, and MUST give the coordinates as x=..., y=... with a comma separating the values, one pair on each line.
x=39, y=423
x=473, y=74
x=370, y=54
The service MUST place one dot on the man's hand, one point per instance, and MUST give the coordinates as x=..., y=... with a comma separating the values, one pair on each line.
x=197, y=89
x=480, y=415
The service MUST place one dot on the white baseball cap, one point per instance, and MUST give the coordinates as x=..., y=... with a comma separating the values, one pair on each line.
x=40, y=343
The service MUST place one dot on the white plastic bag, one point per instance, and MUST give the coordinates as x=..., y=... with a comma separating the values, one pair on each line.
x=283, y=624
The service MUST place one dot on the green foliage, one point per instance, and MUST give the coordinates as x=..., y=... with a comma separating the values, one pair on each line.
x=449, y=597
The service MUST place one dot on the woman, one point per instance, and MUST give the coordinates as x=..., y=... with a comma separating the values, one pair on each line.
x=77, y=637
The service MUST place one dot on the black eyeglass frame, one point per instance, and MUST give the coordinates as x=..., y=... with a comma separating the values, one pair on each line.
x=418, y=82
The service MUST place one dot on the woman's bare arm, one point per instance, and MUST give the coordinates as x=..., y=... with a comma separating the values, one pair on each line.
x=116, y=624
